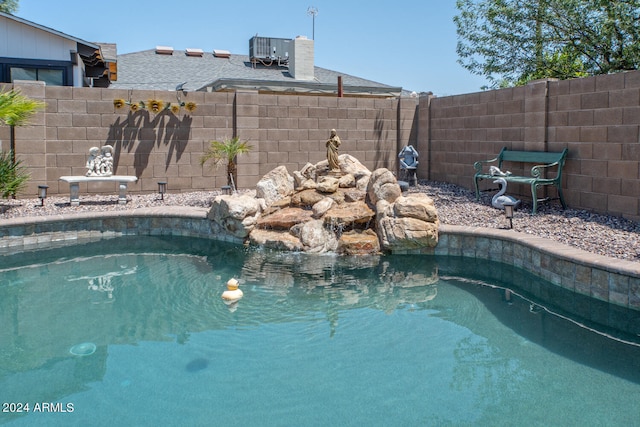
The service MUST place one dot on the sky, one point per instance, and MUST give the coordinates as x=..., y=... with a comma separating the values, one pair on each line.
x=406, y=43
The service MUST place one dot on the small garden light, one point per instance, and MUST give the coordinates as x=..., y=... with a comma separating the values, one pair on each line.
x=509, y=207
x=42, y=193
x=162, y=188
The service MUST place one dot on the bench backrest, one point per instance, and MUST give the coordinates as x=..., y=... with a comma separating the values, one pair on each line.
x=538, y=157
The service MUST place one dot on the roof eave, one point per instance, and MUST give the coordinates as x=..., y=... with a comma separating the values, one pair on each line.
x=50, y=30
x=301, y=87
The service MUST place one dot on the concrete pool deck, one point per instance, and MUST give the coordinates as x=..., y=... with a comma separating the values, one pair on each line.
x=603, y=278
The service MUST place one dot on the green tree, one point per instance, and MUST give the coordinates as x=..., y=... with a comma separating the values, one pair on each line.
x=226, y=150
x=514, y=41
x=9, y=6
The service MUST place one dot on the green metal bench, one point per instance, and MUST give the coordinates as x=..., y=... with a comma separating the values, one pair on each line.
x=545, y=163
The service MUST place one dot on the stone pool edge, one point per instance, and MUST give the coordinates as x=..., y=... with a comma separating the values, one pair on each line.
x=604, y=278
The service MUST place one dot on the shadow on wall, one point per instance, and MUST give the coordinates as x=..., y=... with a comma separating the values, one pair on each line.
x=139, y=133
x=381, y=134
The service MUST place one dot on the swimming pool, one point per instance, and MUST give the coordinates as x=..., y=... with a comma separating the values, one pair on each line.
x=316, y=340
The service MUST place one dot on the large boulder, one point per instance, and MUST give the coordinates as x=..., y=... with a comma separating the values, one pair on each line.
x=383, y=185
x=305, y=178
x=348, y=215
x=416, y=205
x=351, y=165
x=235, y=215
x=275, y=185
x=401, y=234
x=284, y=219
x=275, y=239
x=315, y=237
x=359, y=242
x=328, y=184
x=409, y=223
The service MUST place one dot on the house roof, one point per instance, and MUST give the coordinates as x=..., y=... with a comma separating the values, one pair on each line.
x=208, y=72
x=90, y=53
x=50, y=30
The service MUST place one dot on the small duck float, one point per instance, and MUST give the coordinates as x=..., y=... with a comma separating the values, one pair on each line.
x=232, y=294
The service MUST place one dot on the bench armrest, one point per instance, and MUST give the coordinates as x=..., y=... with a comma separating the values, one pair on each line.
x=479, y=164
x=537, y=170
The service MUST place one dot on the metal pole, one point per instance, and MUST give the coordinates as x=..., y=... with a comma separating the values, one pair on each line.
x=313, y=11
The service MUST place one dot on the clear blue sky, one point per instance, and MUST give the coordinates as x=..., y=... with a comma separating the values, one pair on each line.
x=405, y=43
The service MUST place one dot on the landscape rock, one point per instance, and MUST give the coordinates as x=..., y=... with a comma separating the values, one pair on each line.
x=320, y=208
x=332, y=215
x=284, y=219
x=273, y=239
x=359, y=242
x=236, y=215
x=349, y=214
x=327, y=184
x=418, y=206
x=347, y=181
x=315, y=237
x=401, y=234
x=275, y=185
x=383, y=185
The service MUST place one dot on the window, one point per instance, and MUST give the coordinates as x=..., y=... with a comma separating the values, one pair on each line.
x=51, y=77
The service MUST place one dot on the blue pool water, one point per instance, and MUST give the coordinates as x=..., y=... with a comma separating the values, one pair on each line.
x=316, y=340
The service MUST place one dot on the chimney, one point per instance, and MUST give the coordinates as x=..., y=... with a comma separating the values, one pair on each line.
x=301, y=65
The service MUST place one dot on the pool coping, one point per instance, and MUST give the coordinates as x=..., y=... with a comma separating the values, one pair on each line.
x=608, y=279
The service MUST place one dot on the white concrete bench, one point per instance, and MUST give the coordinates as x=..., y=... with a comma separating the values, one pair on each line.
x=74, y=185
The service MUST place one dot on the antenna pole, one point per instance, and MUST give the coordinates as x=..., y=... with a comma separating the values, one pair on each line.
x=313, y=11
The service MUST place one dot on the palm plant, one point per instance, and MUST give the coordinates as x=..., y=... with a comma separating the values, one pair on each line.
x=228, y=150
x=13, y=176
x=15, y=110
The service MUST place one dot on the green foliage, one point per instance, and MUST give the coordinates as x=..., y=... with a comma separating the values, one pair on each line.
x=514, y=41
x=16, y=109
x=13, y=176
x=226, y=150
x=9, y=6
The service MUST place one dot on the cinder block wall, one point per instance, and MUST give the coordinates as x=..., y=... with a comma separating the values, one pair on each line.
x=285, y=130
x=596, y=118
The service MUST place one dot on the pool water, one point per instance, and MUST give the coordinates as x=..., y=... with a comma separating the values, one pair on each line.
x=132, y=331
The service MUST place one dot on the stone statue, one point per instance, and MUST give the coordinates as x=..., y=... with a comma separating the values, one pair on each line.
x=93, y=161
x=332, y=150
x=499, y=200
x=106, y=161
x=100, y=162
x=408, y=157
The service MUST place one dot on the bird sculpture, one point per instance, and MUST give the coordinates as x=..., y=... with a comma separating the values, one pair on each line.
x=498, y=201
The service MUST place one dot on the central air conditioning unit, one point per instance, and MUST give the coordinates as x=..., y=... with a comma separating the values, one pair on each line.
x=268, y=51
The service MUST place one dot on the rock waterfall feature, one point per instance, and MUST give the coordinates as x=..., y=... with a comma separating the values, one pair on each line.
x=351, y=211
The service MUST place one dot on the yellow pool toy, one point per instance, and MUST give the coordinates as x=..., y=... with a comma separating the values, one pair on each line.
x=232, y=293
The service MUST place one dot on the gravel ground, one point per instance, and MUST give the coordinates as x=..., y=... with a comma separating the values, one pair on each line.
x=605, y=235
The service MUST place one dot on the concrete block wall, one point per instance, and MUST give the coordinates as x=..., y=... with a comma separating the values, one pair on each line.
x=596, y=118
x=467, y=128
x=288, y=130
